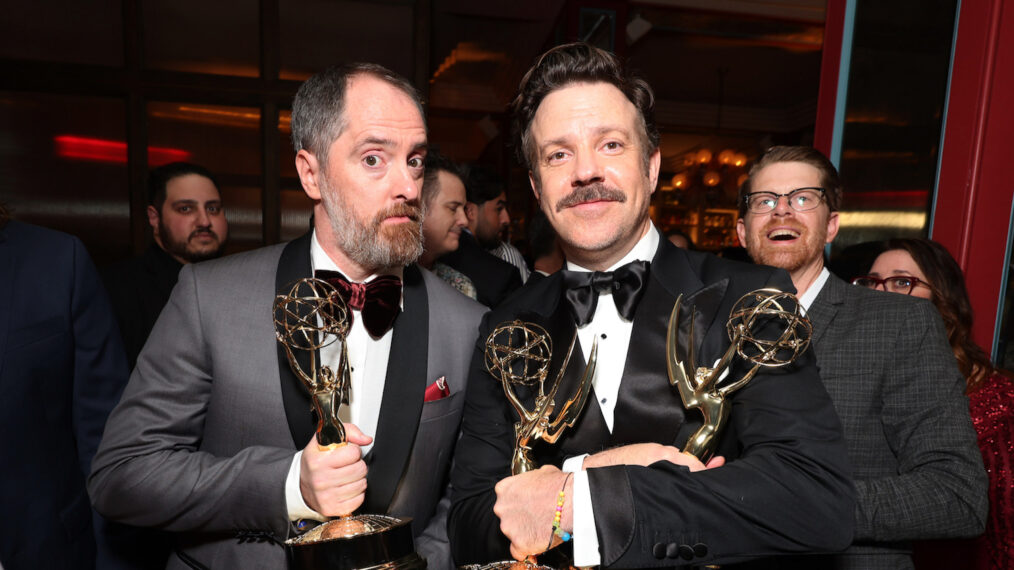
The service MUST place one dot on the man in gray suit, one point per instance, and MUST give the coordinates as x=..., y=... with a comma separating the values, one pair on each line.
x=213, y=439
x=886, y=363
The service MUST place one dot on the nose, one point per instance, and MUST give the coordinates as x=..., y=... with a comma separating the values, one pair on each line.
x=881, y=285
x=505, y=217
x=406, y=185
x=587, y=168
x=782, y=206
x=203, y=219
x=460, y=219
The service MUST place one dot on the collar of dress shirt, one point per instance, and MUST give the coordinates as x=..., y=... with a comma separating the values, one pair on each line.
x=319, y=259
x=643, y=250
x=806, y=299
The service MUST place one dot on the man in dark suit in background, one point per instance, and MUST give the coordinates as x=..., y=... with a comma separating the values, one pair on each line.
x=214, y=440
x=62, y=369
x=632, y=499
x=486, y=211
x=886, y=363
x=188, y=224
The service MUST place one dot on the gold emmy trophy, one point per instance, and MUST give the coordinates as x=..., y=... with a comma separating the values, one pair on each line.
x=519, y=354
x=311, y=316
x=765, y=327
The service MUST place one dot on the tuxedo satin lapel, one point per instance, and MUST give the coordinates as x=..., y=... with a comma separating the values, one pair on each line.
x=404, y=392
x=649, y=408
x=7, y=259
x=293, y=265
x=589, y=433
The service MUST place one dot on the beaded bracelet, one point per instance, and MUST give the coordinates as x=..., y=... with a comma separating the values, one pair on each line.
x=558, y=515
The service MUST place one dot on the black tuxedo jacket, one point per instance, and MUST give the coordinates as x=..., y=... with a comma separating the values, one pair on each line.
x=62, y=369
x=138, y=289
x=493, y=277
x=785, y=489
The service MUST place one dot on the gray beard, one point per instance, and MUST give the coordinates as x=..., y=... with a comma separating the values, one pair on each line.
x=370, y=245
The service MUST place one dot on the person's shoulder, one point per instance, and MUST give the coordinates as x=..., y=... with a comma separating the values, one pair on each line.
x=447, y=297
x=742, y=275
x=540, y=295
x=30, y=237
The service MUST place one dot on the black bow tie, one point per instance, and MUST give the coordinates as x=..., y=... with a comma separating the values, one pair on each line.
x=584, y=287
x=377, y=301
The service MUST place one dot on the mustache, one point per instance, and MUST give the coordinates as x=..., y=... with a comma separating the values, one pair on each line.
x=203, y=231
x=411, y=210
x=589, y=193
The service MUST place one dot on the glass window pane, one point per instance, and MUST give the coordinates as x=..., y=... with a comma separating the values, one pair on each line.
x=316, y=34
x=66, y=31
x=197, y=36
x=63, y=165
x=296, y=210
x=286, y=156
x=222, y=138
x=244, y=211
x=894, y=111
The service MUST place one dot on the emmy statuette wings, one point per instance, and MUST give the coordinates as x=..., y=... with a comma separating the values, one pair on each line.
x=766, y=327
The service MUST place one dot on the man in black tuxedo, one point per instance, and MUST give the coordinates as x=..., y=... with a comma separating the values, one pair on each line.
x=630, y=498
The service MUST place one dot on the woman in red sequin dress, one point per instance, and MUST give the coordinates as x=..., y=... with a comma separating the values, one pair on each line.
x=991, y=399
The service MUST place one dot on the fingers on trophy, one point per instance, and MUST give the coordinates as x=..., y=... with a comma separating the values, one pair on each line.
x=519, y=354
x=311, y=316
x=766, y=328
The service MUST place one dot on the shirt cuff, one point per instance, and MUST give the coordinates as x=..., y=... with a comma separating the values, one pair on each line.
x=586, y=539
x=294, y=503
x=574, y=464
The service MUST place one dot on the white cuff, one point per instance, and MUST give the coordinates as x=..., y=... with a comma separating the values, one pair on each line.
x=294, y=503
x=586, y=540
x=574, y=464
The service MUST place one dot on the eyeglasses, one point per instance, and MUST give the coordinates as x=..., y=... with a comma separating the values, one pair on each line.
x=800, y=200
x=903, y=284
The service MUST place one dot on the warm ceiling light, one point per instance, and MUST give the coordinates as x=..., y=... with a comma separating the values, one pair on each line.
x=703, y=156
x=726, y=156
x=679, y=181
x=739, y=160
x=712, y=178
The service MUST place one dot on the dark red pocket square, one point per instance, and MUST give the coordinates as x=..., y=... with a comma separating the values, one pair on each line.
x=437, y=390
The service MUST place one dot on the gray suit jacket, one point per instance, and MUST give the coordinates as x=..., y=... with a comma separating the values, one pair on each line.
x=202, y=440
x=885, y=360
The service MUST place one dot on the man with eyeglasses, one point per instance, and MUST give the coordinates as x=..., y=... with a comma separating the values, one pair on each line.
x=886, y=363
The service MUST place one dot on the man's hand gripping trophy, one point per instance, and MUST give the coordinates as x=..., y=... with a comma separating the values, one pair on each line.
x=766, y=328
x=519, y=354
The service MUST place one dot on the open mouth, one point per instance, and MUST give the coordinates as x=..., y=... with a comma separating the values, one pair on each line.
x=783, y=234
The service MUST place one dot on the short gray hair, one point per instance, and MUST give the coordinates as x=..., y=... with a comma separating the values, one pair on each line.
x=318, y=110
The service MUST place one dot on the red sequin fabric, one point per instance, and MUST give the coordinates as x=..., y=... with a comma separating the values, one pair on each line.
x=992, y=409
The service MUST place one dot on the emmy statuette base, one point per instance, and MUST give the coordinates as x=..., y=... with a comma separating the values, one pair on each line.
x=356, y=542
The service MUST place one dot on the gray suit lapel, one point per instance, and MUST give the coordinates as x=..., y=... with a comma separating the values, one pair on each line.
x=825, y=307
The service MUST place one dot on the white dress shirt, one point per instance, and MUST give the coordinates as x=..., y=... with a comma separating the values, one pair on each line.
x=368, y=358
x=806, y=299
x=613, y=334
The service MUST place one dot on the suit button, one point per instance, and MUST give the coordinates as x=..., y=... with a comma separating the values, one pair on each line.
x=658, y=551
x=700, y=550
x=686, y=553
x=672, y=551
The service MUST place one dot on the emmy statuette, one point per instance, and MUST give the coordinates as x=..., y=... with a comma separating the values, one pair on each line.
x=311, y=316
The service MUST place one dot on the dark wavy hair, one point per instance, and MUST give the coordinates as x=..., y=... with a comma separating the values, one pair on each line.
x=829, y=179
x=564, y=66
x=950, y=296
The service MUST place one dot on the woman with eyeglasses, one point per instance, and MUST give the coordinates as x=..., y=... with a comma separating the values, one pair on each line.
x=924, y=268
